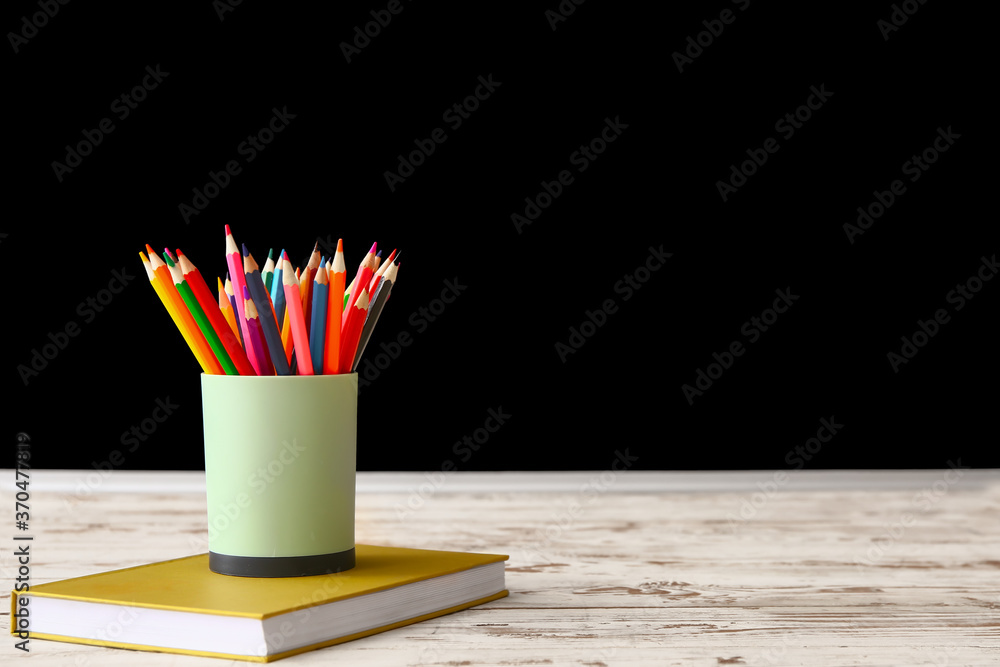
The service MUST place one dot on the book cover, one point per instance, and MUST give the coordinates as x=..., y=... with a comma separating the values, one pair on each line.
x=180, y=606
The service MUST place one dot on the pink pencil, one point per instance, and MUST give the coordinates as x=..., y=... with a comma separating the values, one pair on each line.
x=293, y=304
x=256, y=332
x=235, y=261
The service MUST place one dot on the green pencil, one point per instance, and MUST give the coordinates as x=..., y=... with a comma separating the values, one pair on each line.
x=267, y=273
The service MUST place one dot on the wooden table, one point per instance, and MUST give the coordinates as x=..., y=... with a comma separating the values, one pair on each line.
x=613, y=568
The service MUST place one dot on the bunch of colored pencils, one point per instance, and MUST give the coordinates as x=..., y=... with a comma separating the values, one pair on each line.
x=281, y=320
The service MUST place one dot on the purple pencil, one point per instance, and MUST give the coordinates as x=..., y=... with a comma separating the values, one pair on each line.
x=256, y=333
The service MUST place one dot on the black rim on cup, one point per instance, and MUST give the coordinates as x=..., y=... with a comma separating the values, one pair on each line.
x=281, y=566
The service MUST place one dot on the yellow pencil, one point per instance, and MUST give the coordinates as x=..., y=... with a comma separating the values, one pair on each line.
x=169, y=305
x=201, y=348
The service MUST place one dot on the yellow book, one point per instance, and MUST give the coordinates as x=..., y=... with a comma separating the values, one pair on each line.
x=180, y=606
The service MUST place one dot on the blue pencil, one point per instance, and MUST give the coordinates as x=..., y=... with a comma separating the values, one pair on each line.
x=277, y=293
x=317, y=330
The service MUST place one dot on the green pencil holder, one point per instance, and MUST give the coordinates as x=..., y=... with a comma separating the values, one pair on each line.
x=280, y=464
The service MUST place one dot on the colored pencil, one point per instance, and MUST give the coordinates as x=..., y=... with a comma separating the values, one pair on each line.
x=286, y=336
x=297, y=323
x=171, y=310
x=352, y=331
x=363, y=278
x=334, y=311
x=286, y=326
x=226, y=308
x=255, y=332
x=231, y=295
x=363, y=281
x=317, y=331
x=306, y=280
x=347, y=292
x=377, y=276
x=235, y=263
x=265, y=314
x=204, y=325
x=225, y=327
x=267, y=273
x=374, y=310
x=278, y=291
x=202, y=347
x=313, y=322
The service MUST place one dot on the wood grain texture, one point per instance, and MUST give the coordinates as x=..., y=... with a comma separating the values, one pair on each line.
x=904, y=576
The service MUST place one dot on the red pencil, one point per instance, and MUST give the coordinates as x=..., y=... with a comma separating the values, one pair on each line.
x=207, y=302
x=363, y=277
x=355, y=322
x=359, y=279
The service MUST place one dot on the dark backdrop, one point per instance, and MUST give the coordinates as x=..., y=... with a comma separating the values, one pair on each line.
x=683, y=115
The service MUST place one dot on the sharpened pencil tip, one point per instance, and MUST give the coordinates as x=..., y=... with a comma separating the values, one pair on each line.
x=374, y=248
x=270, y=253
x=340, y=245
x=229, y=232
x=149, y=250
x=245, y=251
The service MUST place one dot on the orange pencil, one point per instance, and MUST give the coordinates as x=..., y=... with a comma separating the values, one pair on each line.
x=227, y=312
x=201, y=348
x=286, y=335
x=334, y=311
x=286, y=326
x=171, y=310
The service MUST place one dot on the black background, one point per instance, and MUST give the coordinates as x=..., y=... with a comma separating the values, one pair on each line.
x=494, y=347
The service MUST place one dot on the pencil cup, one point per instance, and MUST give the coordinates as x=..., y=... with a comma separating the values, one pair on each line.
x=280, y=462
